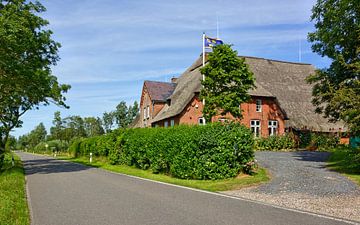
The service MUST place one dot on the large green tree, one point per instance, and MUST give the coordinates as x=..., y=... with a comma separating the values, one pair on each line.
x=336, y=91
x=227, y=81
x=27, y=52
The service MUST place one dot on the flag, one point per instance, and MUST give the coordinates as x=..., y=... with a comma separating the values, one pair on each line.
x=212, y=42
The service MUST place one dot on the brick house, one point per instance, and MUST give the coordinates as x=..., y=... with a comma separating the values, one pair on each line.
x=281, y=100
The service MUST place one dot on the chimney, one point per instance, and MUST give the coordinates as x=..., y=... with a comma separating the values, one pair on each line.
x=173, y=80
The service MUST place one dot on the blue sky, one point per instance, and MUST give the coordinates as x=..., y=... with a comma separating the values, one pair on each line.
x=110, y=47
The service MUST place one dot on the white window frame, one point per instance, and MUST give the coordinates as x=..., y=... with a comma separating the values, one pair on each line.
x=144, y=113
x=258, y=105
x=166, y=123
x=255, y=126
x=172, y=122
x=201, y=121
x=273, y=126
x=148, y=112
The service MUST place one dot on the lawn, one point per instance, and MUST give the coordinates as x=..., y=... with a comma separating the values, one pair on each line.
x=218, y=185
x=13, y=202
x=347, y=162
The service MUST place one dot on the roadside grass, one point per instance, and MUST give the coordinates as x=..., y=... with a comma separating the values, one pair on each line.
x=342, y=161
x=13, y=203
x=241, y=181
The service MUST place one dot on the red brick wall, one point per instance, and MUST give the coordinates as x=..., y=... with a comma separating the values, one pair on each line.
x=154, y=108
x=270, y=111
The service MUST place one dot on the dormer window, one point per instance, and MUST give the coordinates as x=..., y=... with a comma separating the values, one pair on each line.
x=258, y=105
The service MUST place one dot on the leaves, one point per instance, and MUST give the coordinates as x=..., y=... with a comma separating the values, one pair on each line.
x=227, y=81
x=336, y=91
x=27, y=53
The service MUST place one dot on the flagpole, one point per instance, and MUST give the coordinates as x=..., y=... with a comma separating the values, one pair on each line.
x=203, y=64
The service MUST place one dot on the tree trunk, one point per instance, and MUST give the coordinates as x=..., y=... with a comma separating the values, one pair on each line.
x=2, y=153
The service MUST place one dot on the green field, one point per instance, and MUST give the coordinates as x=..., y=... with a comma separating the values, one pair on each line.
x=13, y=203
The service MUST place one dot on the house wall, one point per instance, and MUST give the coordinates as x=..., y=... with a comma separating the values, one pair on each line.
x=270, y=111
x=154, y=108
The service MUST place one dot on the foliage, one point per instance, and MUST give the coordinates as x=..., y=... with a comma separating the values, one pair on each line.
x=337, y=88
x=122, y=116
x=313, y=141
x=210, y=185
x=275, y=143
x=93, y=126
x=13, y=203
x=227, y=81
x=27, y=53
x=346, y=160
x=214, y=151
x=103, y=145
x=52, y=146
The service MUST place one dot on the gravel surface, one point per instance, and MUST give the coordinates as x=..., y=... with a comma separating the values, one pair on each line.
x=300, y=180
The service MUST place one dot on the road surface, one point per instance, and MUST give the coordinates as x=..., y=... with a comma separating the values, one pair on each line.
x=65, y=193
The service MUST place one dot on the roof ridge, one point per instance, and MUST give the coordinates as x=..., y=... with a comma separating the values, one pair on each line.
x=274, y=60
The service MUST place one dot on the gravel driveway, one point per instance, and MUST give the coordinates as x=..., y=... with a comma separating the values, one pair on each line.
x=300, y=180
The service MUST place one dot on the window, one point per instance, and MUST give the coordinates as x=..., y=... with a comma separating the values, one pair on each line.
x=222, y=120
x=258, y=105
x=148, y=112
x=144, y=113
x=166, y=124
x=273, y=127
x=172, y=122
x=255, y=127
x=201, y=121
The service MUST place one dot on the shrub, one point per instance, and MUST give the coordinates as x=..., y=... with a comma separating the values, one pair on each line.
x=317, y=141
x=54, y=145
x=213, y=151
x=275, y=143
x=99, y=145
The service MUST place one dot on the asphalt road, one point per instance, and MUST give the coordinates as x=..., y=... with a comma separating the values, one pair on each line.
x=62, y=193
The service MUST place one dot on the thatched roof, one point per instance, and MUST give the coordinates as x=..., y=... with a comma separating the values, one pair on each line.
x=284, y=81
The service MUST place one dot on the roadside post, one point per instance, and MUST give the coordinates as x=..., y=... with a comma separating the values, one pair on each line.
x=90, y=157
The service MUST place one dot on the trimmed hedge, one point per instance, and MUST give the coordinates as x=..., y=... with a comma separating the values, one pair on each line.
x=275, y=143
x=54, y=145
x=214, y=151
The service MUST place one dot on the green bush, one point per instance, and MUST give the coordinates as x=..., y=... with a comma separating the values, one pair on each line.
x=317, y=141
x=54, y=145
x=275, y=143
x=99, y=145
x=213, y=151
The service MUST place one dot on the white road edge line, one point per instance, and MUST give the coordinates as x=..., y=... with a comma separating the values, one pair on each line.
x=235, y=197
x=217, y=194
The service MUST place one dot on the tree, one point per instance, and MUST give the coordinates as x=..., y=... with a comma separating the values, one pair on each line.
x=37, y=135
x=108, y=121
x=57, y=129
x=93, y=126
x=121, y=114
x=336, y=91
x=27, y=53
x=227, y=81
x=133, y=112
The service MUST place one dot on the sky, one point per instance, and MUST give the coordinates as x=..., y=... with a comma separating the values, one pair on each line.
x=109, y=47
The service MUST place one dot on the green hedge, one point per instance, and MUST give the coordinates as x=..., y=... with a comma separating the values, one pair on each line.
x=99, y=145
x=275, y=143
x=54, y=145
x=317, y=141
x=214, y=151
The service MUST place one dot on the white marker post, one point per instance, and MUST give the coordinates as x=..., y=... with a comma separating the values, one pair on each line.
x=90, y=157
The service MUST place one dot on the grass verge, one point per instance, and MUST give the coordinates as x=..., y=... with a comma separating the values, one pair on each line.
x=343, y=160
x=13, y=204
x=209, y=185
